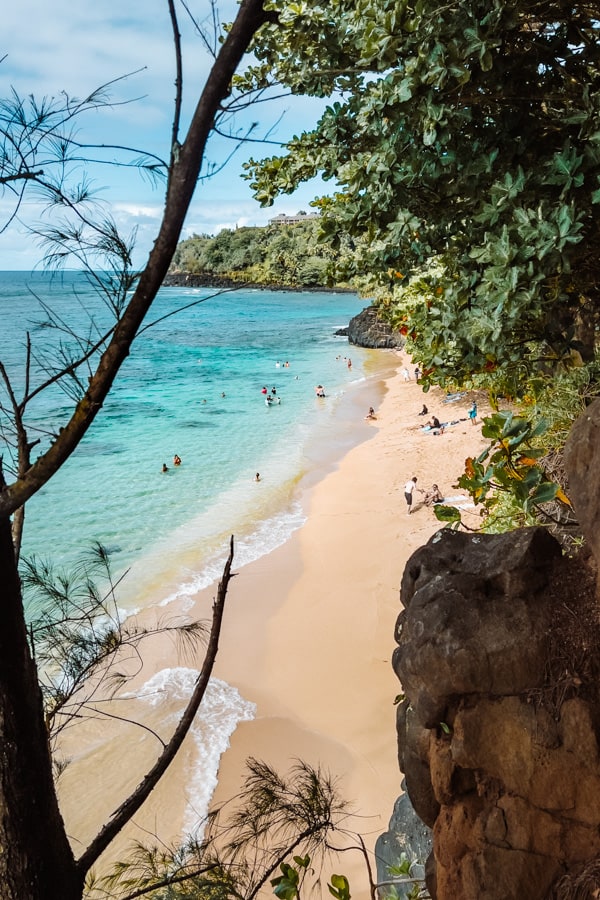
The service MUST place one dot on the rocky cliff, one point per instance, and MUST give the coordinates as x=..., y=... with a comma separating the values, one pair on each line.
x=498, y=735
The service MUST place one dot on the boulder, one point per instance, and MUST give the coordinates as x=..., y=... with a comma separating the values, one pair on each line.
x=475, y=618
x=408, y=836
x=498, y=734
x=368, y=330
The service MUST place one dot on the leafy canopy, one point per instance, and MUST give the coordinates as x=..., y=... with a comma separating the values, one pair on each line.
x=464, y=142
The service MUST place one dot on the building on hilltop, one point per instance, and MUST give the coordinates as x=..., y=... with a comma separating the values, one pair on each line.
x=282, y=219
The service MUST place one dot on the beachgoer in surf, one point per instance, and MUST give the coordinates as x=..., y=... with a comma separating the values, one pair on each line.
x=257, y=476
x=165, y=467
x=176, y=460
x=371, y=414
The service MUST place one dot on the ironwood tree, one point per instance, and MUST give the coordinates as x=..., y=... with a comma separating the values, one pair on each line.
x=36, y=859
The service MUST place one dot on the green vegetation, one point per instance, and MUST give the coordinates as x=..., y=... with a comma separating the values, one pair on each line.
x=466, y=151
x=290, y=255
x=464, y=143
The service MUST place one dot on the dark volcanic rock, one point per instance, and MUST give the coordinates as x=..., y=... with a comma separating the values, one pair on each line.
x=212, y=280
x=474, y=619
x=406, y=835
x=367, y=330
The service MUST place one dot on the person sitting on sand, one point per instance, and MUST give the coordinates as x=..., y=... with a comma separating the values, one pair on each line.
x=434, y=422
x=433, y=496
x=371, y=414
x=424, y=411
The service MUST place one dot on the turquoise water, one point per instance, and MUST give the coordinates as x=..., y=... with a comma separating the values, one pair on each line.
x=170, y=532
x=172, y=529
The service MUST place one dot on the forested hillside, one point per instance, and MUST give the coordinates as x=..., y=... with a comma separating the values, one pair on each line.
x=289, y=255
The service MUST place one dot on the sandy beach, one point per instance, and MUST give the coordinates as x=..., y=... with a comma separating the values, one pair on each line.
x=308, y=629
x=319, y=664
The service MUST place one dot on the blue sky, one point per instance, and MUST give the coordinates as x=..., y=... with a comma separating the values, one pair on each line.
x=76, y=47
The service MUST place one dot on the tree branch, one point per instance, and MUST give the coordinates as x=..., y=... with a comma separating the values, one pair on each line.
x=178, y=84
x=128, y=809
x=180, y=191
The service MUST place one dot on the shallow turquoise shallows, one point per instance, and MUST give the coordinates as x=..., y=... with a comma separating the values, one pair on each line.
x=192, y=386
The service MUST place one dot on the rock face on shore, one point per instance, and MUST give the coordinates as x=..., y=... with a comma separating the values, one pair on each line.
x=220, y=282
x=367, y=330
x=498, y=734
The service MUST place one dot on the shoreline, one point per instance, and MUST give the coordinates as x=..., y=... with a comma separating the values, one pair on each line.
x=211, y=280
x=308, y=627
x=334, y=588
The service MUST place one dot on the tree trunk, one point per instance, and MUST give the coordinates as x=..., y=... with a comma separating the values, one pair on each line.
x=36, y=861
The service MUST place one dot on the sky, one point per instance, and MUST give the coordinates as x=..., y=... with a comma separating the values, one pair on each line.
x=75, y=47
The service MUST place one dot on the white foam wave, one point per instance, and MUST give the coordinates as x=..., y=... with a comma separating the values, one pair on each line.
x=270, y=534
x=221, y=710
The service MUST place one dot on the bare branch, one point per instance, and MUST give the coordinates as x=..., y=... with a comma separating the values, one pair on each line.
x=127, y=809
x=178, y=82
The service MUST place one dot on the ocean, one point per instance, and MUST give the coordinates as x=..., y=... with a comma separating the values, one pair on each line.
x=192, y=386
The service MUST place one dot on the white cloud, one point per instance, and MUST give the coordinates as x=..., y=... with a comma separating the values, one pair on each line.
x=76, y=47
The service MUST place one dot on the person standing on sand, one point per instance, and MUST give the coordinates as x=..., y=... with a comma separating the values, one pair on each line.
x=409, y=489
x=473, y=413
